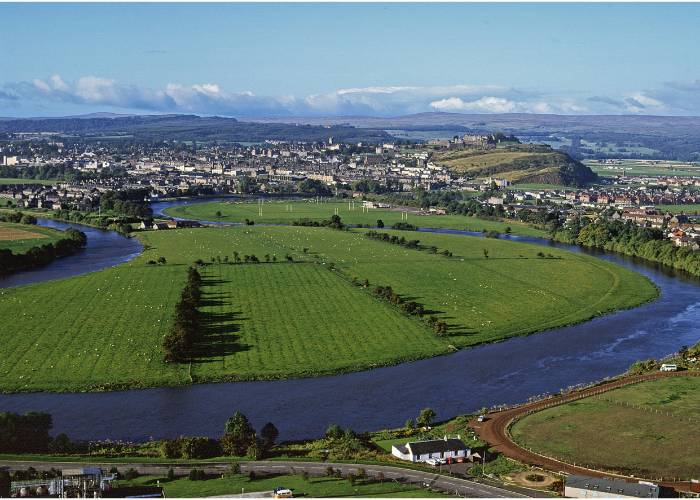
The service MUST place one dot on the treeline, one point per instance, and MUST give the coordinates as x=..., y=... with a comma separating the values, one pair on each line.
x=402, y=241
x=28, y=433
x=334, y=222
x=184, y=332
x=629, y=239
x=410, y=307
x=129, y=202
x=41, y=255
x=18, y=218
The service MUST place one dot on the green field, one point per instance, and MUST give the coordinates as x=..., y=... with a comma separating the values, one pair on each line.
x=652, y=437
x=315, y=487
x=642, y=168
x=285, y=212
x=10, y=180
x=21, y=237
x=103, y=330
x=677, y=209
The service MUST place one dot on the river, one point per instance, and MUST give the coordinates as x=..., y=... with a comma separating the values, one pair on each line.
x=505, y=372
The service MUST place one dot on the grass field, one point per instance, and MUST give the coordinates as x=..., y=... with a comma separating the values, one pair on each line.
x=677, y=209
x=293, y=319
x=476, y=160
x=9, y=180
x=285, y=212
x=651, y=438
x=642, y=168
x=21, y=237
x=315, y=487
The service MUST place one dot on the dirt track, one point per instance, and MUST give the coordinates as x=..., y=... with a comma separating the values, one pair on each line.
x=495, y=429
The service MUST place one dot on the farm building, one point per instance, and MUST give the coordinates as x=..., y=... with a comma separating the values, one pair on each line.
x=420, y=451
x=600, y=487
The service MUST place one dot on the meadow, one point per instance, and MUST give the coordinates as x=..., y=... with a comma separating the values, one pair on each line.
x=315, y=487
x=643, y=168
x=279, y=319
x=643, y=429
x=12, y=181
x=286, y=212
x=21, y=237
x=677, y=209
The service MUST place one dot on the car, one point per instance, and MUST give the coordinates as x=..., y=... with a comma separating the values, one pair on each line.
x=281, y=492
x=432, y=461
x=482, y=418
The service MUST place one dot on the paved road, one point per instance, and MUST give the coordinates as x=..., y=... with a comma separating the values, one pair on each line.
x=495, y=429
x=452, y=485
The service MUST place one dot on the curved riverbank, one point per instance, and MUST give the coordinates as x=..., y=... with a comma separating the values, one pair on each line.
x=505, y=372
x=103, y=249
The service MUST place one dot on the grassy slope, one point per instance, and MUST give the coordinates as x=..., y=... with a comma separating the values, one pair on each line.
x=277, y=212
x=21, y=245
x=628, y=439
x=475, y=160
x=306, y=319
x=313, y=487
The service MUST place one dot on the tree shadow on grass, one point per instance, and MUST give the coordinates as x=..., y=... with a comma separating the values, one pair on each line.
x=218, y=329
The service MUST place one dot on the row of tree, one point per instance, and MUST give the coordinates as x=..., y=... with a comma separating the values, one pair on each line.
x=184, y=332
x=28, y=433
x=41, y=255
x=410, y=307
x=402, y=241
x=334, y=222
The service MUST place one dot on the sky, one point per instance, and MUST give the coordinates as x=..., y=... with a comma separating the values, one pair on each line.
x=256, y=60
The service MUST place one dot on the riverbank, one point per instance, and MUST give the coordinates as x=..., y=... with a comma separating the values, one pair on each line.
x=253, y=327
x=25, y=246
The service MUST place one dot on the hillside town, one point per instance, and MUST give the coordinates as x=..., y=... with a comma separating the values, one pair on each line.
x=174, y=169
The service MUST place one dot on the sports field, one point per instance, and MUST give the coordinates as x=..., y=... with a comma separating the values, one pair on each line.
x=21, y=237
x=648, y=430
x=285, y=212
x=677, y=209
x=282, y=319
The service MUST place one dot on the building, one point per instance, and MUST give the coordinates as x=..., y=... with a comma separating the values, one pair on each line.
x=601, y=487
x=420, y=451
x=669, y=367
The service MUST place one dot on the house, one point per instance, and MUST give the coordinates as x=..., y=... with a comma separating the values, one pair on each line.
x=160, y=225
x=600, y=487
x=420, y=451
x=669, y=367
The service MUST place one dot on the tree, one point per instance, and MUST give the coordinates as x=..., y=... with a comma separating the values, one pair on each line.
x=426, y=417
x=238, y=436
x=486, y=254
x=269, y=433
x=334, y=432
x=410, y=424
x=380, y=223
x=218, y=214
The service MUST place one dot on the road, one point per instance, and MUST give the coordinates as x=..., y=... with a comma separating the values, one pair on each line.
x=452, y=485
x=495, y=429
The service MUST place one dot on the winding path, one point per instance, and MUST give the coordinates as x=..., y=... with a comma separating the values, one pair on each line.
x=495, y=430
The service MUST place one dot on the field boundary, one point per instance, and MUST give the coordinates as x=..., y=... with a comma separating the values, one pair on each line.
x=496, y=430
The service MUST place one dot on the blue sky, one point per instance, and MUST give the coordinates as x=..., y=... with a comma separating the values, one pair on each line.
x=349, y=59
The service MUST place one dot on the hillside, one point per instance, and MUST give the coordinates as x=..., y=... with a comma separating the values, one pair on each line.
x=188, y=128
x=518, y=164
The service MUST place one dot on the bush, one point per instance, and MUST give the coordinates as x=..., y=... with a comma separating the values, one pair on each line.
x=131, y=474
x=196, y=475
x=170, y=448
x=199, y=447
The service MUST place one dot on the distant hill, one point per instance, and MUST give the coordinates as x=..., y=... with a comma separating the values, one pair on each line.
x=584, y=136
x=518, y=164
x=188, y=128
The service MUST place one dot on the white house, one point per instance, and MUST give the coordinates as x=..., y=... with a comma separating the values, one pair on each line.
x=420, y=451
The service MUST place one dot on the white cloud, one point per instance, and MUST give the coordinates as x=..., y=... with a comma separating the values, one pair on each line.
x=92, y=92
x=487, y=104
